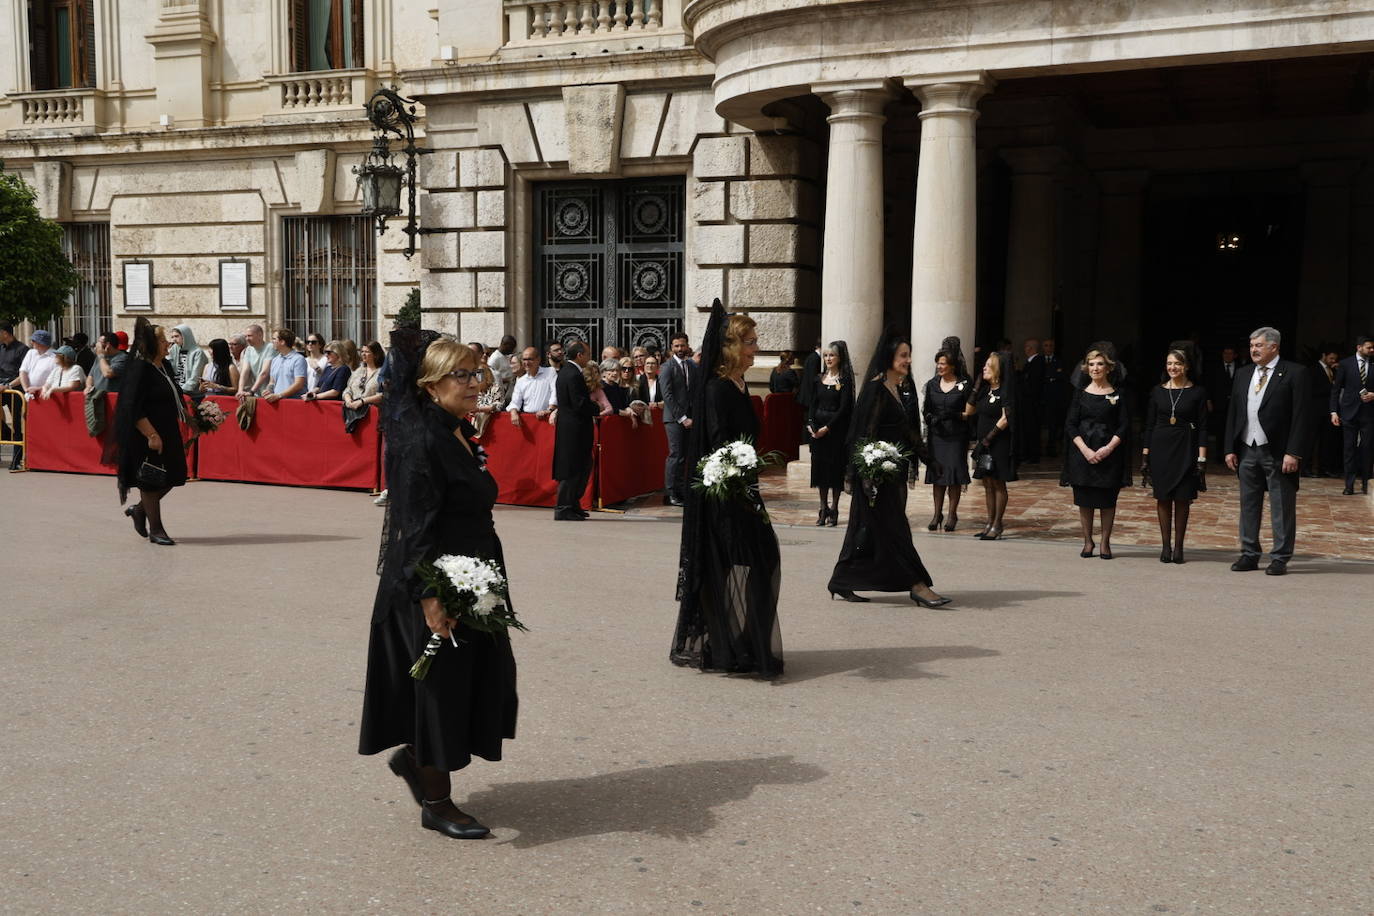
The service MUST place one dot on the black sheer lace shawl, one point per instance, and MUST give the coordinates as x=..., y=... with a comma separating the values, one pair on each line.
x=868, y=408
x=127, y=408
x=689, y=553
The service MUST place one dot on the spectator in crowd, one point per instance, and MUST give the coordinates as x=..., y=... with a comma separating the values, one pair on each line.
x=12, y=351
x=253, y=376
x=615, y=393
x=534, y=391
x=783, y=379
x=637, y=357
x=591, y=374
x=627, y=371
x=649, y=391
x=110, y=362
x=573, y=435
x=611, y=352
x=499, y=362
x=1031, y=400
x=187, y=358
x=221, y=376
x=38, y=362
x=1351, y=404
x=1054, y=402
x=364, y=385
x=1324, y=440
x=66, y=374
x=678, y=377
x=237, y=344
x=85, y=357
x=333, y=379
x=286, y=369
x=123, y=341
x=554, y=353
x=315, y=362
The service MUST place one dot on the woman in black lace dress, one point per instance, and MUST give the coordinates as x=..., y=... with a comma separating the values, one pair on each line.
x=827, y=425
x=946, y=398
x=148, y=418
x=878, y=554
x=1175, y=453
x=994, y=404
x=440, y=504
x=731, y=569
x=1095, y=464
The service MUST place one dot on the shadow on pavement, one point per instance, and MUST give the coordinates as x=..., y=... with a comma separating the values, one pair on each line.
x=673, y=801
x=886, y=664
x=249, y=540
x=989, y=600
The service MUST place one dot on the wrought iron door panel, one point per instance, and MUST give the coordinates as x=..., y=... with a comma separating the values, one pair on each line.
x=608, y=262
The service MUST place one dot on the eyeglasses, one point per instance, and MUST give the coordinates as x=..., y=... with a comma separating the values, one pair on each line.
x=328, y=352
x=465, y=376
x=318, y=343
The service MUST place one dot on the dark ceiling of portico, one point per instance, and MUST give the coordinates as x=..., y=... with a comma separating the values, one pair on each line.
x=1245, y=91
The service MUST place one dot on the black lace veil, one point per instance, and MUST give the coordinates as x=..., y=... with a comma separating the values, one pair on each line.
x=402, y=435
x=868, y=405
x=689, y=562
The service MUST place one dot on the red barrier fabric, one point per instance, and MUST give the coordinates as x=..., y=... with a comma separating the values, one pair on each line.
x=782, y=425
x=630, y=460
x=297, y=443
x=56, y=436
x=520, y=460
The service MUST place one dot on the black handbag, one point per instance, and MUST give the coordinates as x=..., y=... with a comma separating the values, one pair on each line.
x=352, y=416
x=983, y=463
x=152, y=476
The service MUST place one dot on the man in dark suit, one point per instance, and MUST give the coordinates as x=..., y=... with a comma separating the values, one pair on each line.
x=1266, y=433
x=1031, y=404
x=811, y=370
x=1324, y=448
x=1352, y=409
x=573, y=435
x=1219, y=378
x=675, y=383
x=1055, y=400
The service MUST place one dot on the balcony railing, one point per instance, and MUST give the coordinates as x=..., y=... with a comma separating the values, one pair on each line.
x=63, y=110
x=531, y=26
x=321, y=91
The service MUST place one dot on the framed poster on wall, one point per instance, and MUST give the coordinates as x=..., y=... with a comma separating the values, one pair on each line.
x=138, y=286
x=235, y=285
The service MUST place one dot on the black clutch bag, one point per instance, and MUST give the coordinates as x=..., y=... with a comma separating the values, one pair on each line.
x=983, y=463
x=152, y=476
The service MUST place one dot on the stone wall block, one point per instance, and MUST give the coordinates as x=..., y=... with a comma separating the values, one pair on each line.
x=491, y=291
x=448, y=210
x=483, y=249
x=767, y=288
x=491, y=209
x=440, y=252
x=444, y=291
x=439, y=169
x=481, y=168
x=706, y=200
x=783, y=243
x=718, y=245
x=703, y=286
x=782, y=156
x=52, y=183
x=769, y=198
x=721, y=157
x=594, y=118
x=485, y=327
x=786, y=330
x=315, y=180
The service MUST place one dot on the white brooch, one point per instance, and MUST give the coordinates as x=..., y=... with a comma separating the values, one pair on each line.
x=992, y=399
x=1113, y=398
x=960, y=386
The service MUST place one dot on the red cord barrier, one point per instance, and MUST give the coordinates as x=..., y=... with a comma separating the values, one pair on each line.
x=296, y=443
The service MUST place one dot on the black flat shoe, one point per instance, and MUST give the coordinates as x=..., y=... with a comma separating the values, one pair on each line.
x=823, y=517
x=466, y=829
x=848, y=596
x=940, y=601
x=953, y=522
x=834, y=518
x=1178, y=556
x=161, y=540
x=1166, y=555
x=1089, y=552
x=936, y=521
x=140, y=523
x=1245, y=564
x=403, y=765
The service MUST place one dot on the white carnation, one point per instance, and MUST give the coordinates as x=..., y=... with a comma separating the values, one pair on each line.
x=889, y=465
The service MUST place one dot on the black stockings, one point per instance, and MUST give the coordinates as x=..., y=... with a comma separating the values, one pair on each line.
x=438, y=787
x=825, y=498
x=150, y=501
x=1173, y=514
x=1085, y=521
x=995, y=493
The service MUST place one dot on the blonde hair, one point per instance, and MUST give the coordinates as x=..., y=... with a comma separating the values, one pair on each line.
x=442, y=357
x=1111, y=363
x=735, y=329
x=995, y=361
x=347, y=352
x=591, y=374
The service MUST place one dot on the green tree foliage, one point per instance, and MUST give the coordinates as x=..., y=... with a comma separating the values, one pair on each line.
x=409, y=315
x=35, y=276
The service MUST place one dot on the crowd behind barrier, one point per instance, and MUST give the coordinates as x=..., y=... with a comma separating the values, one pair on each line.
x=303, y=443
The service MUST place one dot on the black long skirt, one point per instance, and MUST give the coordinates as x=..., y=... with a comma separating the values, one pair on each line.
x=878, y=555
x=466, y=705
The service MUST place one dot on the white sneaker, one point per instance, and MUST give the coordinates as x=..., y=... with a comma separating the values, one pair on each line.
x=381, y=500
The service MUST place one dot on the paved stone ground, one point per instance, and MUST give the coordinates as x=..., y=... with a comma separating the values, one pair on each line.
x=1069, y=737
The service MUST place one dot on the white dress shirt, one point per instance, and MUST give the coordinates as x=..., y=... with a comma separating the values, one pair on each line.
x=1254, y=432
x=534, y=393
x=499, y=364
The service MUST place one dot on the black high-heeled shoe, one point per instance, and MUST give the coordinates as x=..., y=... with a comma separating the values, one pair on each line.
x=936, y=521
x=834, y=518
x=1166, y=555
x=994, y=534
x=1092, y=546
x=140, y=523
x=940, y=600
x=466, y=829
x=953, y=521
x=403, y=765
x=161, y=540
x=1178, y=555
x=848, y=596
x=984, y=533
x=1106, y=555
x=820, y=519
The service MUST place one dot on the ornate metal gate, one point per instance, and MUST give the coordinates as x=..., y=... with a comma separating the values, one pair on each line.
x=608, y=262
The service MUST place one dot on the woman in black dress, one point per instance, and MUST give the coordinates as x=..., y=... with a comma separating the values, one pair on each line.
x=1175, y=453
x=995, y=407
x=946, y=398
x=827, y=425
x=1096, y=464
x=878, y=555
x=731, y=569
x=148, y=418
x=440, y=504
x=783, y=378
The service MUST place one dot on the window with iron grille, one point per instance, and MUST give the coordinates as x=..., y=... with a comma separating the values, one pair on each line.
x=329, y=276
x=90, y=306
x=62, y=44
x=326, y=34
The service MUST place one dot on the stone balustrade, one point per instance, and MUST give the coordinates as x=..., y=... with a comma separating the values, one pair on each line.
x=316, y=92
x=582, y=18
x=54, y=108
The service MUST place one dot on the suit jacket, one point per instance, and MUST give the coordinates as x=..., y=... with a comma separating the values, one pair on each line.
x=1344, y=400
x=673, y=388
x=1056, y=385
x=573, y=430
x=1283, y=411
x=1033, y=382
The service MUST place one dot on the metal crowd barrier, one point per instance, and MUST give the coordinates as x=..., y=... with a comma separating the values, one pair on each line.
x=14, y=403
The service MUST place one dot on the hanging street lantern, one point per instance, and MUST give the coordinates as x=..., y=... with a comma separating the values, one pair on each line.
x=379, y=178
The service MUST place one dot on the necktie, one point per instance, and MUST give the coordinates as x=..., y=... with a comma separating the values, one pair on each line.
x=1364, y=373
x=1230, y=370
x=1264, y=377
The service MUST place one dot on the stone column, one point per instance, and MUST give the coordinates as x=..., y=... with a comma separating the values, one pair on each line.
x=944, y=272
x=1031, y=243
x=1120, y=257
x=852, y=278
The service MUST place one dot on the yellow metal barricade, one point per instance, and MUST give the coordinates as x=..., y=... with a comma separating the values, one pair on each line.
x=16, y=427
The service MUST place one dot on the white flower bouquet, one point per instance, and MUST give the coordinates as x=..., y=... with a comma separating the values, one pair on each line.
x=877, y=461
x=205, y=418
x=732, y=471
x=473, y=592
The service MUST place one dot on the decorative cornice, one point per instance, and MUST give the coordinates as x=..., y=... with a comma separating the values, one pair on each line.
x=521, y=76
